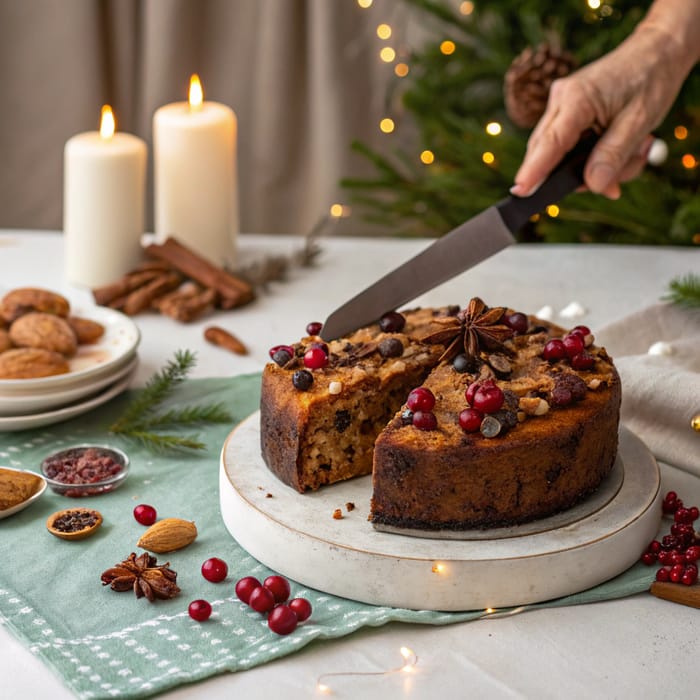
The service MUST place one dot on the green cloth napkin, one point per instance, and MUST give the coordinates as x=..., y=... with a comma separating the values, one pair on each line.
x=105, y=644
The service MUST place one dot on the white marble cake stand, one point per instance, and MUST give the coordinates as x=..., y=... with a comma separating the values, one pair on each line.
x=297, y=536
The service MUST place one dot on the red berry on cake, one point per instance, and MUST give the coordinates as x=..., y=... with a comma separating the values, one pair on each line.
x=584, y=360
x=470, y=420
x=488, y=398
x=421, y=399
x=554, y=350
x=314, y=328
x=288, y=348
x=424, y=420
x=315, y=357
x=573, y=344
x=517, y=322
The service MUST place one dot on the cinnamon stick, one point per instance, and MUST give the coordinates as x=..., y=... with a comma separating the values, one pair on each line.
x=677, y=593
x=187, y=306
x=232, y=290
x=142, y=297
x=106, y=294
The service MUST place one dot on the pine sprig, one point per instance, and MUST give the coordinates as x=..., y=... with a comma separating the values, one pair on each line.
x=142, y=422
x=685, y=291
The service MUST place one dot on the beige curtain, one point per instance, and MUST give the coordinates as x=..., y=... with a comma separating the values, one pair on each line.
x=303, y=77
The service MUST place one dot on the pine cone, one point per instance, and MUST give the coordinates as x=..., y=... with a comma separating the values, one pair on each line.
x=529, y=78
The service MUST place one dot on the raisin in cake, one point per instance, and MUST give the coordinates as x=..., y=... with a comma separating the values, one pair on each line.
x=498, y=418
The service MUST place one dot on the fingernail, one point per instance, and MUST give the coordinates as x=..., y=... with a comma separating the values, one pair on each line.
x=519, y=191
x=600, y=177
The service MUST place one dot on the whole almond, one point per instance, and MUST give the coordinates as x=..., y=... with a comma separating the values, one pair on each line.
x=167, y=535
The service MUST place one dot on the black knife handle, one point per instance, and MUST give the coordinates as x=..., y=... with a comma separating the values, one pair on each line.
x=565, y=178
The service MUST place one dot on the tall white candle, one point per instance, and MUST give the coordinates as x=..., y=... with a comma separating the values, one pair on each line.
x=104, y=180
x=196, y=199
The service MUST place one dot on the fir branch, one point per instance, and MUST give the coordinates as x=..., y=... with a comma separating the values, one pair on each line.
x=142, y=422
x=684, y=291
x=157, y=389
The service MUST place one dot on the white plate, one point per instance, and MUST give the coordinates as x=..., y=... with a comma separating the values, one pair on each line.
x=37, y=420
x=120, y=340
x=296, y=535
x=13, y=406
x=21, y=506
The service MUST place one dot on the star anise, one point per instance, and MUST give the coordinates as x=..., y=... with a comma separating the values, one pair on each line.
x=143, y=576
x=473, y=329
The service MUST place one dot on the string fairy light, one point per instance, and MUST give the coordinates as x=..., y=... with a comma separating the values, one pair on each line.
x=401, y=69
x=365, y=4
x=427, y=157
x=384, y=31
x=466, y=7
x=689, y=161
x=488, y=158
x=387, y=125
x=387, y=54
x=493, y=128
x=410, y=660
x=438, y=568
x=447, y=47
x=553, y=210
x=680, y=132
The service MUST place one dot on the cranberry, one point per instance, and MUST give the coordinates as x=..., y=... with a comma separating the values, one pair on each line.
x=315, y=357
x=302, y=380
x=581, y=330
x=314, y=328
x=424, y=420
x=669, y=542
x=421, y=399
x=692, y=553
x=694, y=513
x=471, y=390
x=392, y=322
x=662, y=574
x=278, y=586
x=677, y=558
x=573, y=344
x=517, y=322
x=275, y=348
x=301, y=608
x=665, y=557
x=470, y=420
x=690, y=575
x=488, y=398
x=554, y=350
x=649, y=558
x=214, y=570
x=144, y=514
x=584, y=360
x=261, y=599
x=677, y=571
x=282, y=620
x=671, y=503
x=245, y=586
x=199, y=610
x=682, y=515
x=654, y=546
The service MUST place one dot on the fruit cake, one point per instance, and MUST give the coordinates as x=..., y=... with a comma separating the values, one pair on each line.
x=498, y=418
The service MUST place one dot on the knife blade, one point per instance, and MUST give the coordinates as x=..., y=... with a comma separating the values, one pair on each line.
x=482, y=236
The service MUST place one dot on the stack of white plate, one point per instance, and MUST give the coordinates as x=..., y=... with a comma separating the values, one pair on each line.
x=98, y=373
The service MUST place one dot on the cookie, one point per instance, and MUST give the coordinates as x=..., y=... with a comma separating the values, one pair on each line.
x=41, y=330
x=18, y=302
x=86, y=331
x=30, y=363
x=5, y=342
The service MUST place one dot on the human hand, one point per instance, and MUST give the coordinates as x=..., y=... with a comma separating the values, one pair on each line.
x=626, y=93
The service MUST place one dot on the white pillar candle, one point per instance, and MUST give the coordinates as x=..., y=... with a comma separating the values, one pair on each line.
x=196, y=199
x=104, y=182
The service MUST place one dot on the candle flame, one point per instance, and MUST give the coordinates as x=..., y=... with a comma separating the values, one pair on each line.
x=107, y=124
x=196, y=92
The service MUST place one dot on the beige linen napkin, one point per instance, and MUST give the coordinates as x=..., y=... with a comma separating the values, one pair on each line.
x=660, y=392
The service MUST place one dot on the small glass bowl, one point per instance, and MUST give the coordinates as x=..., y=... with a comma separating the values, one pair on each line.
x=86, y=462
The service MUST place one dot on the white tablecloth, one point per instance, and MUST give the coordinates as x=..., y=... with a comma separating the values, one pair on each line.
x=632, y=648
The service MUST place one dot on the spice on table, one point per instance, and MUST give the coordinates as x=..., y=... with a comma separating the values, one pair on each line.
x=168, y=535
x=82, y=465
x=143, y=576
x=16, y=487
x=74, y=523
x=224, y=339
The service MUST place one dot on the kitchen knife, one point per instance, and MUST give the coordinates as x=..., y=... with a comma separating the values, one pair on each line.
x=479, y=238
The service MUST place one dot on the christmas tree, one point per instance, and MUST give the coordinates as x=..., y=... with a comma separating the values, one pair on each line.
x=464, y=104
